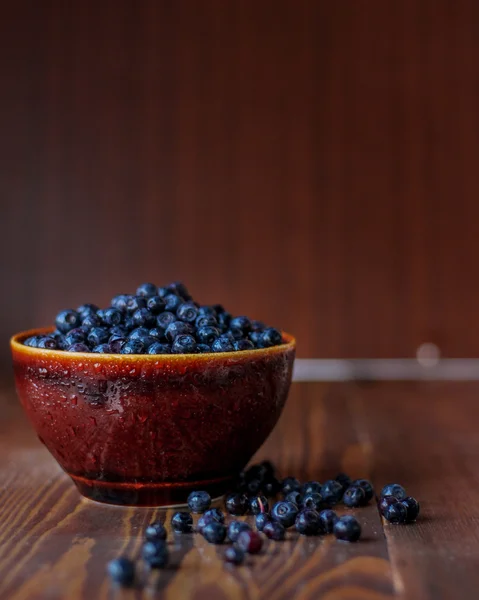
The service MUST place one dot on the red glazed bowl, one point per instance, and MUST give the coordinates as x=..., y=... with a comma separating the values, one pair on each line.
x=146, y=430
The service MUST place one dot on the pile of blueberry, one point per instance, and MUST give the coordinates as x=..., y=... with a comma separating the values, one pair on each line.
x=306, y=507
x=155, y=320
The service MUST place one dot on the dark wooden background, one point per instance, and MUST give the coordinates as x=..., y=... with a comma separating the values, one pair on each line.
x=313, y=163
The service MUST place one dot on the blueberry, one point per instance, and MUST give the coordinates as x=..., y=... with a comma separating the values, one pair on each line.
x=257, y=325
x=267, y=469
x=155, y=553
x=224, y=319
x=155, y=304
x=134, y=303
x=98, y=335
x=86, y=309
x=234, y=555
x=344, y=480
x=290, y=484
x=139, y=333
x=110, y=316
x=412, y=508
x=156, y=531
x=199, y=502
x=207, y=335
x=67, y=320
x=395, y=513
x=295, y=497
x=187, y=312
x=117, y=344
x=274, y=531
x=313, y=500
x=32, y=341
x=347, y=529
x=261, y=520
x=163, y=291
x=179, y=288
x=253, y=487
x=118, y=331
x=271, y=487
x=203, y=348
x=258, y=504
x=241, y=345
x=385, y=501
x=328, y=518
x=285, y=513
x=235, y=334
x=158, y=348
x=235, y=528
x=218, y=308
x=122, y=571
x=91, y=320
x=147, y=290
x=182, y=522
x=102, y=349
x=205, y=321
x=270, y=337
x=157, y=333
x=164, y=319
x=78, y=348
x=184, y=344
x=241, y=323
x=236, y=504
x=255, y=337
x=222, y=345
x=128, y=323
x=250, y=541
x=133, y=347
x=394, y=489
x=74, y=336
x=367, y=487
x=354, y=496
x=332, y=492
x=214, y=514
x=143, y=317
x=202, y=522
x=120, y=301
x=47, y=343
x=308, y=522
x=312, y=487
x=177, y=328
x=172, y=302
x=214, y=532
x=206, y=311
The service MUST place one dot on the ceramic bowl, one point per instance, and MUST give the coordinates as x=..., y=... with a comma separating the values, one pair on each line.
x=146, y=430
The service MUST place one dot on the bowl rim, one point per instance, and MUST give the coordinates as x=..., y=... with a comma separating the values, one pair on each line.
x=16, y=344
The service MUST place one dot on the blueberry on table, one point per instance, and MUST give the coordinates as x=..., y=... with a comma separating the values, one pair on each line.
x=366, y=486
x=66, y=320
x=347, y=529
x=207, y=335
x=132, y=347
x=184, y=344
x=78, y=348
x=385, y=501
x=241, y=345
x=155, y=553
x=274, y=531
x=258, y=504
x=271, y=337
x=199, y=502
x=354, y=496
x=143, y=317
x=214, y=532
x=261, y=520
x=156, y=531
x=158, y=348
x=182, y=522
x=328, y=518
x=394, y=489
x=47, y=342
x=155, y=305
x=121, y=570
x=147, y=289
x=164, y=319
x=242, y=323
x=313, y=500
x=295, y=497
x=308, y=522
x=98, y=335
x=177, y=328
x=214, y=514
x=311, y=487
x=203, y=348
x=290, y=484
x=236, y=504
x=250, y=541
x=187, y=312
x=344, y=480
x=234, y=555
x=395, y=513
x=285, y=513
x=102, y=349
x=222, y=345
x=332, y=492
x=235, y=528
x=412, y=508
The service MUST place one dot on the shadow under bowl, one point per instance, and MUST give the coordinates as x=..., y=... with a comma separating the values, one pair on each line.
x=146, y=430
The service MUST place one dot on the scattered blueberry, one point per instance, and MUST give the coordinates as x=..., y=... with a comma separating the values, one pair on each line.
x=235, y=528
x=311, y=487
x=394, y=489
x=274, y=531
x=308, y=522
x=250, y=541
x=332, y=492
x=367, y=487
x=214, y=514
x=285, y=513
x=295, y=497
x=412, y=508
x=155, y=553
x=290, y=484
x=347, y=529
x=344, y=480
x=214, y=532
x=328, y=518
x=156, y=531
x=199, y=502
x=122, y=571
x=395, y=513
x=313, y=500
x=261, y=520
x=236, y=504
x=385, y=501
x=258, y=504
x=354, y=496
x=234, y=555
x=182, y=522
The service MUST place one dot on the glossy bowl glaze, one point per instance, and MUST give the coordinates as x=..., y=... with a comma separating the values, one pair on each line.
x=147, y=430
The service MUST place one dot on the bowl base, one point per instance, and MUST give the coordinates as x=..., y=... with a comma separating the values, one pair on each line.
x=148, y=494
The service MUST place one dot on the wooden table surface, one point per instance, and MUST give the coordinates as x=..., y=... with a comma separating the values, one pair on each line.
x=55, y=545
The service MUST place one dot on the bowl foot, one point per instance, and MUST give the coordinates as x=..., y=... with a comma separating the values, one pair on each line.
x=148, y=494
